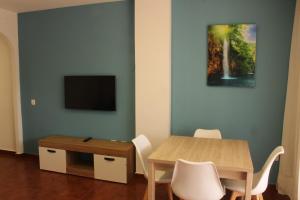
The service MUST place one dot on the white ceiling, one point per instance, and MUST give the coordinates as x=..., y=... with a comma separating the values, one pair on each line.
x=33, y=5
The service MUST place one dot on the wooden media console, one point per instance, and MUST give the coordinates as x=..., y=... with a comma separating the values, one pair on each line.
x=100, y=159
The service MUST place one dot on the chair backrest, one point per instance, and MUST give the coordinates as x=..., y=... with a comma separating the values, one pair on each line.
x=203, y=133
x=143, y=149
x=260, y=182
x=196, y=181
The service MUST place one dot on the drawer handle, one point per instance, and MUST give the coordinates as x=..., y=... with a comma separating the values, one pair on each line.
x=109, y=159
x=51, y=151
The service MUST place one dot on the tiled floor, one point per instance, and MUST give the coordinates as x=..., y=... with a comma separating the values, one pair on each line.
x=21, y=179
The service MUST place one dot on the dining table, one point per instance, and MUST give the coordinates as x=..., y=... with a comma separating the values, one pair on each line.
x=231, y=157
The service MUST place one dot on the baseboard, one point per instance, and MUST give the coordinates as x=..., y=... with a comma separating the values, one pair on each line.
x=7, y=152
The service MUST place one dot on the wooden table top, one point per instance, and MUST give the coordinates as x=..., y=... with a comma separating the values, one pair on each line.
x=233, y=155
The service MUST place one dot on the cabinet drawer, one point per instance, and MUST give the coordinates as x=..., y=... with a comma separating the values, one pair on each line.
x=52, y=159
x=110, y=168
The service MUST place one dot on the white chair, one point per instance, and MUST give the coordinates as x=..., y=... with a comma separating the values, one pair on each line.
x=203, y=133
x=144, y=149
x=260, y=179
x=196, y=181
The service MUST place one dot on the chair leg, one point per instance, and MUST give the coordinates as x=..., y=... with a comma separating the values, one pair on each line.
x=170, y=193
x=235, y=195
x=146, y=194
x=261, y=197
x=255, y=197
x=258, y=197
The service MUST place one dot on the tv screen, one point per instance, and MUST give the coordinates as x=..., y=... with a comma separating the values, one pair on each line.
x=90, y=92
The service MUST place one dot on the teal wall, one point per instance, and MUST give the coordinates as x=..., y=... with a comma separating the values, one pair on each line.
x=253, y=114
x=86, y=40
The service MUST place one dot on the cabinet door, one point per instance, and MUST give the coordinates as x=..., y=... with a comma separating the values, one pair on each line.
x=52, y=159
x=110, y=168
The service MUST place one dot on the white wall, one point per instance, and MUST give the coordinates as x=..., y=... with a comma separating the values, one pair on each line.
x=7, y=135
x=9, y=28
x=153, y=70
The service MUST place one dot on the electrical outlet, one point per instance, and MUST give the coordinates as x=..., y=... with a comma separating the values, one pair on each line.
x=33, y=102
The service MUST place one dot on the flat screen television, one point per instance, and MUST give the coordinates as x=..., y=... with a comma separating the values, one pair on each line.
x=90, y=92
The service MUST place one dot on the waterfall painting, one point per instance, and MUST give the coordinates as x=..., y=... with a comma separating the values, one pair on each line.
x=231, y=55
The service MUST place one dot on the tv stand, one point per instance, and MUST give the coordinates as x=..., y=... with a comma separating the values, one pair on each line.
x=100, y=159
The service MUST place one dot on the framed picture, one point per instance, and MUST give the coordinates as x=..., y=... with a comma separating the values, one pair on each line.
x=231, y=55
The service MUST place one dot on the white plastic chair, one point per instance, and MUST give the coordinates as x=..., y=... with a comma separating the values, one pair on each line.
x=260, y=179
x=144, y=149
x=196, y=181
x=203, y=133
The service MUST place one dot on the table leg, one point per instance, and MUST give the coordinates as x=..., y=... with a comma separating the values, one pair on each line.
x=151, y=181
x=248, y=185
